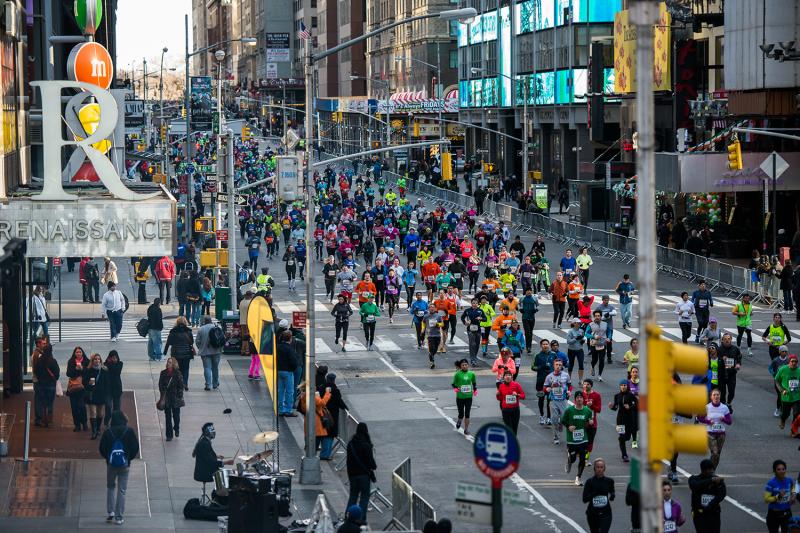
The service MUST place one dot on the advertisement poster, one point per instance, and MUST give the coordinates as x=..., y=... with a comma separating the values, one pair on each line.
x=201, y=105
x=540, y=195
x=625, y=52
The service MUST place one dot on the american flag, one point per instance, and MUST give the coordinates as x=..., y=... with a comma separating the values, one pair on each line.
x=303, y=33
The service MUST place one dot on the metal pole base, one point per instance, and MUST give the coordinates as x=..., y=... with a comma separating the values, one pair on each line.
x=310, y=473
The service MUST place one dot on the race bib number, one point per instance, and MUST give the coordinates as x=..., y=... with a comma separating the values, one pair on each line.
x=777, y=339
x=577, y=434
x=457, y=275
x=420, y=313
x=717, y=427
x=380, y=277
x=702, y=304
x=473, y=327
x=254, y=246
x=599, y=345
x=526, y=274
x=557, y=391
x=429, y=278
x=620, y=429
x=705, y=499
x=508, y=286
x=511, y=399
x=331, y=273
x=466, y=389
x=793, y=384
x=370, y=318
x=714, y=375
x=669, y=526
x=728, y=362
x=600, y=501
x=365, y=294
x=290, y=262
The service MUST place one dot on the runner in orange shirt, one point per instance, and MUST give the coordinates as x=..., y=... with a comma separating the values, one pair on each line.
x=430, y=270
x=574, y=291
x=558, y=290
x=448, y=308
x=364, y=288
x=502, y=321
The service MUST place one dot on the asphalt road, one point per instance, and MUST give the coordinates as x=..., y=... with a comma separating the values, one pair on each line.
x=410, y=410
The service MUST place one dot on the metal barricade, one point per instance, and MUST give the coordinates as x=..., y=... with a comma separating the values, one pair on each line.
x=321, y=517
x=409, y=509
x=347, y=428
x=421, y=511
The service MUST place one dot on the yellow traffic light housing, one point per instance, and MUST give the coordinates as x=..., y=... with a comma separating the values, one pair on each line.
x=376, y=145
x=666, y=399
x=245, y=132
x=214, y=257
x=205, y=225
x=416, y=130
x=447, y=166
x=735, y=155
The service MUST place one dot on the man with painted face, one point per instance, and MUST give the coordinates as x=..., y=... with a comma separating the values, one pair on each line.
x=206, y=460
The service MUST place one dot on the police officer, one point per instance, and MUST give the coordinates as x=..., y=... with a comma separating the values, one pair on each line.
x=141, y=276
x=264, y=282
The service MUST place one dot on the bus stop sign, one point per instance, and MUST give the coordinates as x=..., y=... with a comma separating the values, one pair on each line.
x=496, y=450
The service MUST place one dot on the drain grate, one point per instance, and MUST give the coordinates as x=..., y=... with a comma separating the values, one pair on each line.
x=40, y=489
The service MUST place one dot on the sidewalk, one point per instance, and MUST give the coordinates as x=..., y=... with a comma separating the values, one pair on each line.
x=67, y=493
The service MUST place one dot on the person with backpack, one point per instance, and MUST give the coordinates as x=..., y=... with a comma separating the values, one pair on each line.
x=165, y=273
x=155, y=325
x=171, y=387
x=92, y=274
x=47, y=373
x=209, y=341
x=119, y=445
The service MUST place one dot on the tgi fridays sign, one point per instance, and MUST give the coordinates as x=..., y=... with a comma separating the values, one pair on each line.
x=424, y=106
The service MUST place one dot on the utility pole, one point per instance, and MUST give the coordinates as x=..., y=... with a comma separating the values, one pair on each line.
x=644, y=14
x=187, y=217
x=310, y=473
x=232, y=274
x=525, y=183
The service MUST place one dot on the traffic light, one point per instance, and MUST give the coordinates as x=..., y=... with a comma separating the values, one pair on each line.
x=416, y=130
x=376, y=145
x=447, y=166
x=665, y=399
x=163, y=132
x=205, y=225
x=245, y=132
x=488, y=168
x=434, y=150
x=735, y=155
x=183, y=112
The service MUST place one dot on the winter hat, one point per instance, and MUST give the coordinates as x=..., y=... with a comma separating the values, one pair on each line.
x=354, y=513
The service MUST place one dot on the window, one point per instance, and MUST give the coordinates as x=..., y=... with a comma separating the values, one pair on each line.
x=453, y=58
x=453, y=28
x=313, y=22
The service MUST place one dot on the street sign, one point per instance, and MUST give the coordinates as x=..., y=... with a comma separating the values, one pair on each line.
x=211, y=178
x=183, y=184
x=476, y=513
x=222, y=235
x=496, y=450
x=239, y=200
x=480, y=493
x=608, y=176
x=190, y=168
x=206, y=169
x=211, y=186
x=780, y=166
x=56, y=261
x=289, y=177
x=299, y=319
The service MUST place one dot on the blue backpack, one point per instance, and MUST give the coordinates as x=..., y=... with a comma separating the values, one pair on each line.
x=118, y=457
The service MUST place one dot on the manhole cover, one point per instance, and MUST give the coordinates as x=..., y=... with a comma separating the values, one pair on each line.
x=420, y=399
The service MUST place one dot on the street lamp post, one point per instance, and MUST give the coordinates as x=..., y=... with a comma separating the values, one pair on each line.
x=309, y=468
x=161, y=109
x=246, y=40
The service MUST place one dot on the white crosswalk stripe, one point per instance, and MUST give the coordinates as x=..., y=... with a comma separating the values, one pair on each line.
x=93, y=331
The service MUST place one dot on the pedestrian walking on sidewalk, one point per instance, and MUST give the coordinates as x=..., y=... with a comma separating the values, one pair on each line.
x=38, y=315
x=97, y=386
x=113, y=307
x=209, y=354
x=76, y=364
x=109, y=272
x=170, y=388
x=155, y=318
x=335, y=407
x=360, y=468
x=114, y=402
x=165, y=273
x=47, y=373
x=181, y=340
x=118, y=446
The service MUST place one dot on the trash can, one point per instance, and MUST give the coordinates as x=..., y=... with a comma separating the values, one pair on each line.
x=222, y=302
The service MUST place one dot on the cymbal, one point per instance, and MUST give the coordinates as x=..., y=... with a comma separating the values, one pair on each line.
x=265, y=437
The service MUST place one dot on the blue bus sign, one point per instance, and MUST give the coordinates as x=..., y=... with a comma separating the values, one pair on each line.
x=497, y=452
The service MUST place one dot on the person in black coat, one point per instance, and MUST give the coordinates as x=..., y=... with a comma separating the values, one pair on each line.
x=97, y=387
x=156, y=319
x=76, y=364
x=47, y=373
x=182, y=342
x=170, y=387
x=118, y=430
x=360, y=468
x=334, y=405
x=114, y=403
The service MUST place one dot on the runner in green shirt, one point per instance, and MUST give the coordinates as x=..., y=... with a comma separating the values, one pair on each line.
x=465, y=388
x=787, y=380
x=575, y=419
x=744, y=322
x=369, y=313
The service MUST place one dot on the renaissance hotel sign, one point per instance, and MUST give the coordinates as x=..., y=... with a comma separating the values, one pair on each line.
x=112, y=221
